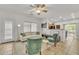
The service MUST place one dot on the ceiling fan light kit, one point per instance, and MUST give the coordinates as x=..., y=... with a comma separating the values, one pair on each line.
x=39, y=8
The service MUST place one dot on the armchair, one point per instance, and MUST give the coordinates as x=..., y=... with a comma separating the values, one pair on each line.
x=54, y=39
x=34, y=45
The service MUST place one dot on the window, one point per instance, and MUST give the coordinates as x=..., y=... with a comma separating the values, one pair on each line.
x=30, y=27
x=8, y=30
x=27, y=27
x=70, y=27
x=33, y=27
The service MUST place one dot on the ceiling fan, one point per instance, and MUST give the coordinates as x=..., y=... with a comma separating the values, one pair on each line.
x=39, y=8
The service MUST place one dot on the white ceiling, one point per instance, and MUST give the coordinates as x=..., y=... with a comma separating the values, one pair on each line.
x=54, y=10
x=63, y=10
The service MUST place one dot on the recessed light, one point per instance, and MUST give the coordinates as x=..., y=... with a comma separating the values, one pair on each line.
x=19, y=25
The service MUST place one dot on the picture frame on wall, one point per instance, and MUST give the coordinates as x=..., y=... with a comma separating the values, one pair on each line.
x=51, y=26
x=57, y=26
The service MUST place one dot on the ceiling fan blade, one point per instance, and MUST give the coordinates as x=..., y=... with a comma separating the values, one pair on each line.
x=45, y=10
x=43, y=5
x=33, y=5
x=37, y=5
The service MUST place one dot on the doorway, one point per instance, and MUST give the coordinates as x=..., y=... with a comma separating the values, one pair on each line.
x=71, y=38
x=71, y=30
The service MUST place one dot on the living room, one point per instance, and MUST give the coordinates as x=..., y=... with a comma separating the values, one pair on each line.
x=56, y=24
